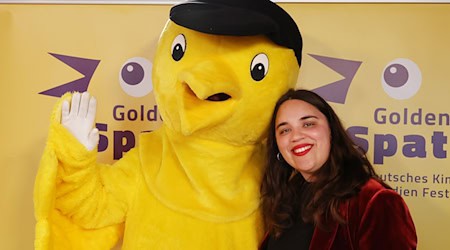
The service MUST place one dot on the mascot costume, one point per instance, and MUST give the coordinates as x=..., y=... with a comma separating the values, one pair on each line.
x=193, y=183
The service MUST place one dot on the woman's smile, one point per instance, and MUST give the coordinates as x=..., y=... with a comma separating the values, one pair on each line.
x=301, y=149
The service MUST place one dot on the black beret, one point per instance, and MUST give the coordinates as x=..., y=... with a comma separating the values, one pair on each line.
x=240, y=18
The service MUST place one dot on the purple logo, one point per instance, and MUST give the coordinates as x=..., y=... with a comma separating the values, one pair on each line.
x=401, y=79
x=135, y=77
x=337, y=91
x=83, y=65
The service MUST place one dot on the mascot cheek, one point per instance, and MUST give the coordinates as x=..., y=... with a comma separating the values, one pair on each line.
x=164, y=75
x=253, y=108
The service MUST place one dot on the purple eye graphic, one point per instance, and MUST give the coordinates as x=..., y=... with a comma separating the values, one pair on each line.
x=135, y=77
x=401, y=79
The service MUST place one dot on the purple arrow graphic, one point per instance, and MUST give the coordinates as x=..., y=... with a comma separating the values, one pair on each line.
x=337, y=91
x=83, y=65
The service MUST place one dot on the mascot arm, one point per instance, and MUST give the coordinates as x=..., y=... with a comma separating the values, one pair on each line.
x=92, y=195
x=72, y=192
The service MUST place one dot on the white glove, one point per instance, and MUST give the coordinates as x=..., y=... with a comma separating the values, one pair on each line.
x=79, y=119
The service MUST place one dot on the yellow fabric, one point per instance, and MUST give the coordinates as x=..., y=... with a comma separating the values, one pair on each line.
x=54, y=231
x=193, y=183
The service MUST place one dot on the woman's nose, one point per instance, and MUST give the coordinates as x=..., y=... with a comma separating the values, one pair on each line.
x=297, y=135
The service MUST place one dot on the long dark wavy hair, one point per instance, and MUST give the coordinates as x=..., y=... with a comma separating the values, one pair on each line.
x=341, y=177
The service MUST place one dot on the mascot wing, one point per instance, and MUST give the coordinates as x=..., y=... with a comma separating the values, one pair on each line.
x=53, y=230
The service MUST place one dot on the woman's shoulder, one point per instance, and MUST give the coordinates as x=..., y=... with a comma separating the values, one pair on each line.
x=372, y=186
x=378, y=211
x=373, y=191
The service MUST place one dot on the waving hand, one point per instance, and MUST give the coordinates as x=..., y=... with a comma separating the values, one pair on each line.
x=79, y=118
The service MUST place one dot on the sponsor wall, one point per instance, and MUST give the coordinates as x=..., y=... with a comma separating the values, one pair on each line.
x=383, y=67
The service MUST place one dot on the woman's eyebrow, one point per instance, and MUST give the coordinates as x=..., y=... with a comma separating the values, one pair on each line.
x=301, y=119
x=308, y=117
x=280, y=124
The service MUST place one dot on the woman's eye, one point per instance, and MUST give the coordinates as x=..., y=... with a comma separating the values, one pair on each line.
x=308, y=124
x=284, y=131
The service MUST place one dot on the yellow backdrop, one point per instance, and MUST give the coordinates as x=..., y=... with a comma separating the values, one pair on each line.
x=388, y=62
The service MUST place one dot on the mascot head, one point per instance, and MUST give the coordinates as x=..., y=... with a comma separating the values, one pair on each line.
x=221, y=65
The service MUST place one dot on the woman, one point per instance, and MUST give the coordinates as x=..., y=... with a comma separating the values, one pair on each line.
x=320, y=191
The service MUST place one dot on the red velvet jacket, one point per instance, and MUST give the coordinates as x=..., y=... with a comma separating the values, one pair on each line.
x=378, y=218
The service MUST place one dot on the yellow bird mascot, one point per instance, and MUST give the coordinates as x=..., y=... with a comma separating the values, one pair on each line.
x=193, y=183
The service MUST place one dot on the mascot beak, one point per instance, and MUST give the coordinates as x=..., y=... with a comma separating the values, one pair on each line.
x=207, y=89
x=209, y=81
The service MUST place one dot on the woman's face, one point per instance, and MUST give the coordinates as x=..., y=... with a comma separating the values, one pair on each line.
x=303, y=136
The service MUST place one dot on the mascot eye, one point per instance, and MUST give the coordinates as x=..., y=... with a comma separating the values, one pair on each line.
x=178, y=47
x=135, y=77
x=259, y=67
